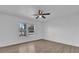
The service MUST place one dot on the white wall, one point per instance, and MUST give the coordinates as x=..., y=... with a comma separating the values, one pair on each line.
x=63, y=29
x=9, y=30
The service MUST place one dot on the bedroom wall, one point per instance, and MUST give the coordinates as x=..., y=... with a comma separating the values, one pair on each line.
x=64, y=29
x=9, y=30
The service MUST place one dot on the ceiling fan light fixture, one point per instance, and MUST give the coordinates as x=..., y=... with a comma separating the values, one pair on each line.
x=39, y=15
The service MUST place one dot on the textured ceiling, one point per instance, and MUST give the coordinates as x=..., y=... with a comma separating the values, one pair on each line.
x=57, y=11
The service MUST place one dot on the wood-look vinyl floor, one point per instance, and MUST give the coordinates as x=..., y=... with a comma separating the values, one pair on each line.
x=40, y=46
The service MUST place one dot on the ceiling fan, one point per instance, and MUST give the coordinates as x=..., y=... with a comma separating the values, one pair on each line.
x=41, y=14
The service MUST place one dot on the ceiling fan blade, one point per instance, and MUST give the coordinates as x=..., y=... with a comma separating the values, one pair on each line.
x=37, y=17
x=39, y=11
x=46, y=14
x=43, y=16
